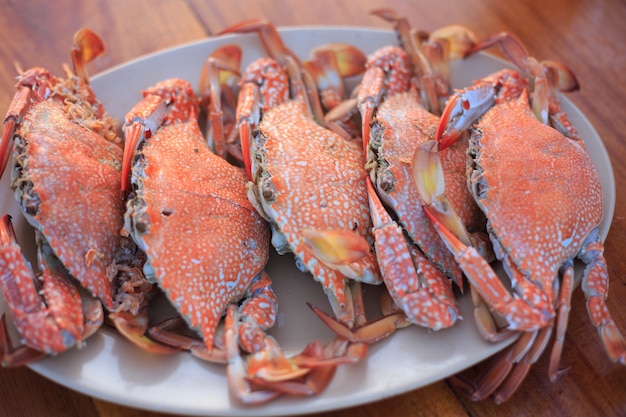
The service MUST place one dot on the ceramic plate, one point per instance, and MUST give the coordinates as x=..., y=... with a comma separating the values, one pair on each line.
x=111, y=369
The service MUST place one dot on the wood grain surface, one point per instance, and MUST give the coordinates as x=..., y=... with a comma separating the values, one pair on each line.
x=586, y=34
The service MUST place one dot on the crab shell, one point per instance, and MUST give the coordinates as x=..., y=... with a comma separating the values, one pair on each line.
x=307, y=177
x=539, y=190
x=203, y=239
x=400, y=126
x=66, y=179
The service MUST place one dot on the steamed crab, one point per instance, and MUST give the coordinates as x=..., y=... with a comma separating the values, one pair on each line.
x=206, y=246
x=395, y=122
x=287, y=147
x=67, y=159
x=543, y=200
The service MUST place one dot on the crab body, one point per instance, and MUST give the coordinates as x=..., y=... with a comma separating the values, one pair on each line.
x=291, y=150
x=204, y=242
x=87, y=168
x=537, y=234
x=400, y=126
x=542, y=197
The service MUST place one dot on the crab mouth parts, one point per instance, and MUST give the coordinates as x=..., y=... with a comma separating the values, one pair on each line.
x=20, y=182
x=477, y=182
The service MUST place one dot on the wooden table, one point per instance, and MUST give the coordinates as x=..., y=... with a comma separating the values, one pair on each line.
x=586, y=34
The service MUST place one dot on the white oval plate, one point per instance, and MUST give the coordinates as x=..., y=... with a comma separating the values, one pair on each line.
x=112, y=369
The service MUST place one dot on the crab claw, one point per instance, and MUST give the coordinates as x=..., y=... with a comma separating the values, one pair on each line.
x=32, y=85
x=520, y=315
x=134, y=327
x=7, y=136
x=51, y=327
x=141, y=121
x=461, y=110
x=428, y=177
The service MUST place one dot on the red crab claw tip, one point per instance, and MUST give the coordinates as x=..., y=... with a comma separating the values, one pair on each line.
x=145, y=117
x=446, y=134
x=133, y=137
x=244, y=137
x=336, y=247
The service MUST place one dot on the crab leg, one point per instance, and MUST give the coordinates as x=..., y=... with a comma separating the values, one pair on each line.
x=328, y=65
x=323, y=360
x=51, y=326
x=218, y=79
x=387, y=73
x=305, y=374
x=518, y=313
x=595, y=286
x=87, y=46
x=430, y=55
x=302, y=85
x=237, y=369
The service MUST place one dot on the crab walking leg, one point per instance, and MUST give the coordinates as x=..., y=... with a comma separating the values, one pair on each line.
x=236, y=370
x=323, y=360
x=563, y=308
x=218, y=79
x=301, y=81
x=329, y=65
x=595, y=285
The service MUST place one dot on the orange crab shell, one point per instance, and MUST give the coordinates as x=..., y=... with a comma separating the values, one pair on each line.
x=191, y=205
x=311, y=178
x=68, y=180
x=540, y=233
